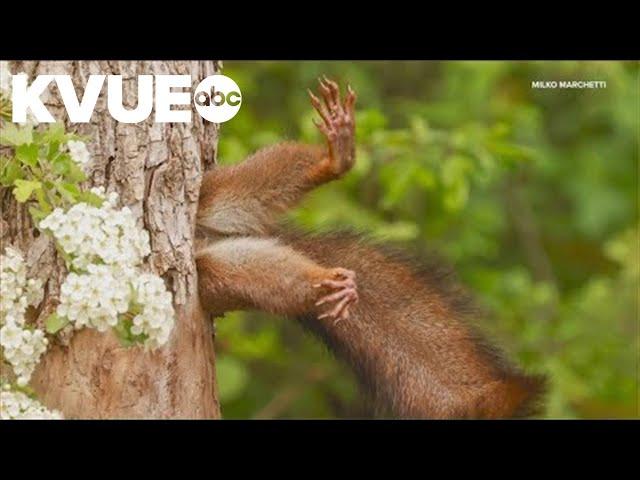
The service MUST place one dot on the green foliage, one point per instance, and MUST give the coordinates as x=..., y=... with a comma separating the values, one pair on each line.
x=23, y=189
x=531, y=195
x=125, y=335
x=15, y=135
x=41, y=169
x=41, y=172
x=54, y=323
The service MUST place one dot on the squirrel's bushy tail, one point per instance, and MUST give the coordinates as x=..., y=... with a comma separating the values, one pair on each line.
x=526, y=395
x=516, y=395
x=410, y=339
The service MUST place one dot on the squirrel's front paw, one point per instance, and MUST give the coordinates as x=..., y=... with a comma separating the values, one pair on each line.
x=341, y=283
x=338, y=124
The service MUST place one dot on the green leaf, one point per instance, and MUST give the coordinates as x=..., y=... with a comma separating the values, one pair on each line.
x=43, y=202
x=69, y=191
x=91, y=198
x=61, y=163
x=10, y=172
x=36, y=213
x=24, y=188
x=28, y=154
x=55, y=133
x=53, y=150
x=26, y=389
x=74, y=172
x=64, y=255
x=54, y=323
x=123, y=331
x=11, y=134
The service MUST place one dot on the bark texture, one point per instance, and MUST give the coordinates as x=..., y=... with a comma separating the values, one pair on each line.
x=156, y=168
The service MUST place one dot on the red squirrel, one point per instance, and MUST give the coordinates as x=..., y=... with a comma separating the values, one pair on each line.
x=402, y=327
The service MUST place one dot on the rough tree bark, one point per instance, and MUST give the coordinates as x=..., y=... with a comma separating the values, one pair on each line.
x=156, y=168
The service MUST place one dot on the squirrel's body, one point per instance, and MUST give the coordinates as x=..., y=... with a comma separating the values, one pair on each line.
x=406, y=331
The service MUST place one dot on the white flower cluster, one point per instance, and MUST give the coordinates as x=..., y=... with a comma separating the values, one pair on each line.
x=22, y=349
x=18, y=292
x=107, y=294
x=22, y=346
x=98, y=235
x=5, y=78
x=96, y=298
x=79, y=152
x=155, y=319
x=106, y=247
x=16, y=405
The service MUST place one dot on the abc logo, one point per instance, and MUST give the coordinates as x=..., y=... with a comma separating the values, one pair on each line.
x=217, y=98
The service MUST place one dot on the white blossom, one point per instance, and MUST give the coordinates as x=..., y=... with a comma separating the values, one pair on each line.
x=15, y=405
x=22, y=346
x=98, y=235
x=157, y=316
x=106, y=295
x=5, y=78
x=95, y=299
x=79, y=152
x=11, y=336
x=18, y=292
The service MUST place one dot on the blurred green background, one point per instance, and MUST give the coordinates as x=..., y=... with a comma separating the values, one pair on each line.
x=532, y=195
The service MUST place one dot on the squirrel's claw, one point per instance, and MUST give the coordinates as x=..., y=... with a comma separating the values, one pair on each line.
x=345, y=294
x=322, y=111
x=339, y=312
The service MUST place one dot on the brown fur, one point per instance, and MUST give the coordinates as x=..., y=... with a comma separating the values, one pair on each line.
x=409, y=339
x=248, y=197
x=258, y=273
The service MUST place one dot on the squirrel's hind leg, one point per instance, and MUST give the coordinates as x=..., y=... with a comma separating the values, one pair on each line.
x=261, y=273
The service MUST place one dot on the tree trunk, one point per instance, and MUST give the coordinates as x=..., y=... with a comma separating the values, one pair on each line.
x=156, y=168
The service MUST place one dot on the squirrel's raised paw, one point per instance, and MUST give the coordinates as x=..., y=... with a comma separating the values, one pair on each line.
x=338, y=123
x=343, y=294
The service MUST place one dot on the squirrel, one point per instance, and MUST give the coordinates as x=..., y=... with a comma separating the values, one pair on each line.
x=403, y=328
